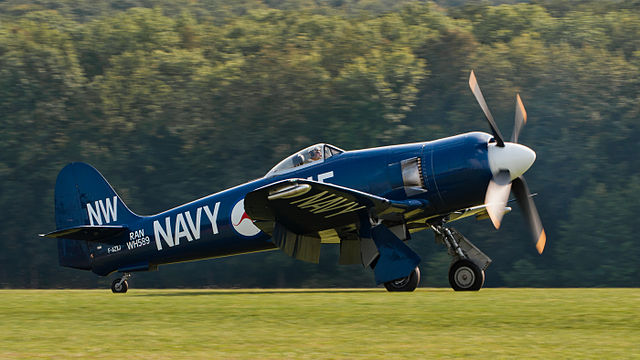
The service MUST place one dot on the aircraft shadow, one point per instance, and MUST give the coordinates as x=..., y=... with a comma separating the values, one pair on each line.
x=218, y=292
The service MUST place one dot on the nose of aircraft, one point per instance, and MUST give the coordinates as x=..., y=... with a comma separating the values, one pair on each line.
x=514, y=157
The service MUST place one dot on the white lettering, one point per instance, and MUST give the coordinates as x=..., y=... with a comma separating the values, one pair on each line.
x=181, y=230
x=139, y=242
x=158, y=231
x=195, y=229
x=93, y=214
x=138, y=234
x=110, y=212
x=184, y=227
x=322, y=177
x=213, y=217
x=111, y=209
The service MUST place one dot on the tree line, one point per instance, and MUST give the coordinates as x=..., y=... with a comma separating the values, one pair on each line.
x=174, y=100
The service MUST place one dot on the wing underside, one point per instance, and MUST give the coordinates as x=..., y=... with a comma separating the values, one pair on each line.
x=301, y=214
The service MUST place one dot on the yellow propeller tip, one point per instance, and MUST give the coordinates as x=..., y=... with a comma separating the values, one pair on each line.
x=472, y=80
x=496, y=223
x=521, y=107
x=542, y=240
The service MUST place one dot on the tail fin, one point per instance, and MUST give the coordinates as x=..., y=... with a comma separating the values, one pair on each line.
x=84, y=197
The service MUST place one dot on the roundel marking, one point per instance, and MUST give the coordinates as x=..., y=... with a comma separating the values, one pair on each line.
x=241, y=221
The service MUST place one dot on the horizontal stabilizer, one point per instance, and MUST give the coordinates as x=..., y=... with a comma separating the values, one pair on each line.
x=107, y=234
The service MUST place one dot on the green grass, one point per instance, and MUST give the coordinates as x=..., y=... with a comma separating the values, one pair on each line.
x=312, y=324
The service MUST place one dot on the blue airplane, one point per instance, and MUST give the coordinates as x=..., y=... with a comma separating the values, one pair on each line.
x=368, y=201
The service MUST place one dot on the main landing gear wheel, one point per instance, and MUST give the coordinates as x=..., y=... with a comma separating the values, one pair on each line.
x=408, y=283
x=464, y=275
x=120, y=286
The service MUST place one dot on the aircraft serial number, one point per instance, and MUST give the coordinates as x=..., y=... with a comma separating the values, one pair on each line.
x=138, y=243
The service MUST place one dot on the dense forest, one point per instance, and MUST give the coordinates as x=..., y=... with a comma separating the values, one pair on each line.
x=174, y=100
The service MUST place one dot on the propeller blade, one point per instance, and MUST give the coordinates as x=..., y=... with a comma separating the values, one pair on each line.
x=497, y=195
x=523, y=196
x=520, y=120
x=475, y=88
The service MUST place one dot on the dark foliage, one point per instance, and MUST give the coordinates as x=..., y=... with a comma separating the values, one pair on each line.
x=171, y=100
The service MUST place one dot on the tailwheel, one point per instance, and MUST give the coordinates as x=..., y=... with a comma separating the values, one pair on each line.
x=464, y=275
x=120, y=286
x=408, y=283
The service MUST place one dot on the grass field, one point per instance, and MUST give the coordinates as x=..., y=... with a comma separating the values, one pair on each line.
x=313, y=324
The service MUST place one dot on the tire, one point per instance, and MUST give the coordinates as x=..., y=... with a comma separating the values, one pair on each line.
x=118, y=288
x=408, y=283
x=464, y=275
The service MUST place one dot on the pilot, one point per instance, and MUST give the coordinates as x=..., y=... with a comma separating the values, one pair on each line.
x=298, y=160
x=315, y=154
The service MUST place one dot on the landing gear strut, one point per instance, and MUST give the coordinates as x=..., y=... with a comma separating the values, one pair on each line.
x=121, y=285
x=467, y=270
x=408, y=283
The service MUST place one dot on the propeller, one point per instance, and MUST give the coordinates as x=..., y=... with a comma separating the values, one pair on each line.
x=508, y=161
x=475, y=88
x=520, y=120
x=523, y=197
x=497, y=196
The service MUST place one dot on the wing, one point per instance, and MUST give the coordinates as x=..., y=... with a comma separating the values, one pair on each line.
x=301, y=214
x=310, y=207
x=480, y=212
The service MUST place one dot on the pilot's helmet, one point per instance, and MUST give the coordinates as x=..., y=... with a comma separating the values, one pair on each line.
x=298, y=160
x=315, y=153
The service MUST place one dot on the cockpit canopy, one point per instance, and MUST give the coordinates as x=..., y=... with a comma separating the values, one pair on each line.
x=305, y=157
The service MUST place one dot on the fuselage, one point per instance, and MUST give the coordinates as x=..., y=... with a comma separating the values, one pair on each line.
x=453, y=174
